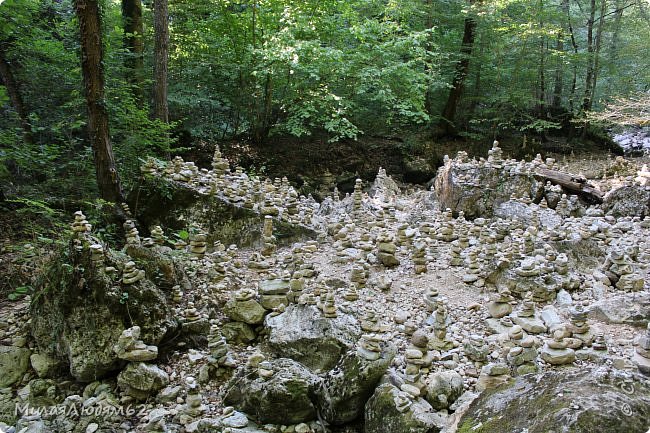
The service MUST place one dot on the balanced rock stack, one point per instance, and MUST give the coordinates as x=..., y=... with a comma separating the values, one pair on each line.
x=274, y=293
x=198, y=244
x=96, y=253
x=131, y=274
x=386, y=251
x=158, y=235
x=499, y=304
x=268, y=240
x=130, y=348
x=556, y=351
x=132, y=235
x=80, y=226
x=369, y=347
x=220, y=165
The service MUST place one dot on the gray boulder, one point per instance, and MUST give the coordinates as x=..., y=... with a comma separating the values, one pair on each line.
x=629, y=309
x=81, y=307
x=523, y=212
x=580, y=401
x=140, y=380
x=386, y=412
x=287, y=397
x=44, y=365
x=477, y=190
x=627, y=201
x=249, y=311
x=444, y=388
x=14, y=362
x=348, y=386
x=303, y=334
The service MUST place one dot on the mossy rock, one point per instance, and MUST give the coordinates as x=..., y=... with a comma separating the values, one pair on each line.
x=572, y=401
x=79, y=310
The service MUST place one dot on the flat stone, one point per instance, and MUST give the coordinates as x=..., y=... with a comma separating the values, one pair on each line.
x=532, y=325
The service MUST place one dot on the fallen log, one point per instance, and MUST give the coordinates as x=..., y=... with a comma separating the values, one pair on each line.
x=572, y=184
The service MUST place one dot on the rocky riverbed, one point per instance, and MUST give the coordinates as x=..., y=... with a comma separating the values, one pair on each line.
x=494, y=302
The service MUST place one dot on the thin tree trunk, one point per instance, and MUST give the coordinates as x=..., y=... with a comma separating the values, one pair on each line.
x=7, y=76
x=462, y=68
x=586, y=101
x=161, y=53
x=541, y=107
x=134, y=44
x=599, y=39
x=477, y=77
x=574, y=44
x=559, y=70
x=428, y=25
x=90, y=33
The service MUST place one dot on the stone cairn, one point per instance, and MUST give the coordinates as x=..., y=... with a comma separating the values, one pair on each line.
x=556, y=350
x=132, y=235
x=131, y=274
x=198, y=244
x=268, y=240
x=369, y=347
x=523, y=354
x=80, y=226
x=96, y=253
x=130, y=348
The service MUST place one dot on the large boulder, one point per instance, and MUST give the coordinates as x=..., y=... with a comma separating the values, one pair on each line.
x=628, y=201
x=477, y=189
x=391, y=411
x=141, y=380
x=303, y=334
x=347, y=387
x=81, y=308
x=177, y=205
x=629, y=309
x=14, y=362
x=523, y=212
x=578, y=400
x=287, y=397
x=444, y=388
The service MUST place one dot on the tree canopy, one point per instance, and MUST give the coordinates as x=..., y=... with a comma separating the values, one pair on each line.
x=257, y=69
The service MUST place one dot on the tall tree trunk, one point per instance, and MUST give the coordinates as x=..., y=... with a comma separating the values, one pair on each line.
x=7, y=76
x=134, y=45
x=574, y=44
x=428, y=25
x=90, y=32
x=541, y=104
x=586, y=100
x=559, y=69
x=161, y=54
x=462, y=68
x=599, y=40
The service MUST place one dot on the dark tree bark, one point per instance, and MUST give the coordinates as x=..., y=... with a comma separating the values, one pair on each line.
x=7, y=76
x=599, y=42
x=559, y=69
x=586, y=100
x=90, y=33
x=161, y=53
x=134, y=44
x=457, y=85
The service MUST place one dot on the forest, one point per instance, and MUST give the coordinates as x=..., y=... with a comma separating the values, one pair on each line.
x=180, y=76
x=324, y=216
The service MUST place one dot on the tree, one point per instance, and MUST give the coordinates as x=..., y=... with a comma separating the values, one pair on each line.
x=92, y=69
x=161, y=55
x=7, y=76
x=462, y=68
x=134, y=45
